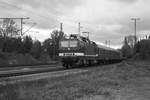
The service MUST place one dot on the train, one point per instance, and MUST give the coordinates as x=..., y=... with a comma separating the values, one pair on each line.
x=78, y=50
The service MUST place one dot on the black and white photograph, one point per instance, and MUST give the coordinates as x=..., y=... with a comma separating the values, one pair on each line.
x=74, y=49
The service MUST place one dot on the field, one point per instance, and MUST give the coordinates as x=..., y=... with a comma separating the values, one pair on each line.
x=128, y=80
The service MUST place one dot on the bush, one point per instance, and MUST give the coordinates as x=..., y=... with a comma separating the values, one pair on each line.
x=143, y=48
x=36, y=49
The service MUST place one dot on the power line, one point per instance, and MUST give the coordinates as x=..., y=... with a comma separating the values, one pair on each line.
x=29, y=28
x=21, y=21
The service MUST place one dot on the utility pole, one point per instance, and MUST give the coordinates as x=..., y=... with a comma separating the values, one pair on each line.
x=106, y=43
x=109, y=43
x=79, y=28
x=135, y=21
x=21, y=19
x=61, y=27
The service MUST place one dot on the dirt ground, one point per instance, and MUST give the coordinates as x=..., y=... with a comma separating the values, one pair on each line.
x=128, y=80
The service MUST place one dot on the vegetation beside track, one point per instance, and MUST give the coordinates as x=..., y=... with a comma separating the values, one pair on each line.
x=128, y=80
x=14, y=60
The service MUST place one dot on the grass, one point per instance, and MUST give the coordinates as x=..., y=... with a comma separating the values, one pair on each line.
x=104, y=82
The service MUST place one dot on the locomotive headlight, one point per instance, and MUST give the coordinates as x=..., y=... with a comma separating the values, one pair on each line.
x=68, y=48
x=61, y=54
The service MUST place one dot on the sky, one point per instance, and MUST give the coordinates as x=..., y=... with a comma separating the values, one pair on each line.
x=105, y=19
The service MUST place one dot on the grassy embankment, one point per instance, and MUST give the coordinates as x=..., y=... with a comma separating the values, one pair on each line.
x=12, y=59
x=124, y=81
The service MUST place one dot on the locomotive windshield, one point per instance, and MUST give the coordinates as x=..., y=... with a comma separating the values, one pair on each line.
x=73, y=43
x=64, y=44
x=69, y=43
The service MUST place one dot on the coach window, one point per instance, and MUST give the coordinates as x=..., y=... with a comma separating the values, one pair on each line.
x=100, y=51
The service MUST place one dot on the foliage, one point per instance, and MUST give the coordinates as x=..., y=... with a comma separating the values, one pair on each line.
x=140, y=50
x=16, y=44
x=27, y=44
x=10, y=42
x=48, y=48
x=56, y=37
x=143, y=48
x=9, y=28
x=1, y=42
x=127, y=51
x=36, y=49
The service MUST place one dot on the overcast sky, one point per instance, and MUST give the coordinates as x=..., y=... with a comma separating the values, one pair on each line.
x=104, y=19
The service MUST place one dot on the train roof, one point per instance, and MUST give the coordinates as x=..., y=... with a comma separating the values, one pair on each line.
x=85, y=39
x=106, y=48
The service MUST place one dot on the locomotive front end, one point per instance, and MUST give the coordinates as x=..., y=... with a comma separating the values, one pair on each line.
x=70, y=52
x=69, y=48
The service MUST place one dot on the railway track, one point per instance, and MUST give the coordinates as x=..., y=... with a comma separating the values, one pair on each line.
x=37, y=74
x=18, y=65
x=25, y=70
x=35, y=70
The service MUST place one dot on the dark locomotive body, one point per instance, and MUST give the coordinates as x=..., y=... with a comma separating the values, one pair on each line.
x=77, y=50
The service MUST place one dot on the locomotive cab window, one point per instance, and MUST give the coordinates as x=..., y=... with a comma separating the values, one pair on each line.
x=73, y=43
x=68, y=43
x=64, y=44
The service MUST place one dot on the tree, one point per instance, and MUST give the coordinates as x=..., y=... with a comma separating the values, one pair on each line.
x=8, y=32
x=126, y=49
x=11, y=44
x=36, y=49
x=2, y=40
x=18, y=45
x=47, y=47
x=56, y=37
x=27, y=44
x=143, y=48
x=9, y=28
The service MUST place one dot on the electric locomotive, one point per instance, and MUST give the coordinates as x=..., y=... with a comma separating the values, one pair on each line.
x=78, y=50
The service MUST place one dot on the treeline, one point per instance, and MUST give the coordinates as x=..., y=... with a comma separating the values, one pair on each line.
x=11, y=41
x=142, y=48
x=139, y=50
x=27, y=45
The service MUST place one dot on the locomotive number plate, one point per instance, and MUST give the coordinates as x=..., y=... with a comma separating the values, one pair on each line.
x=68, y=54
x=71, y=54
